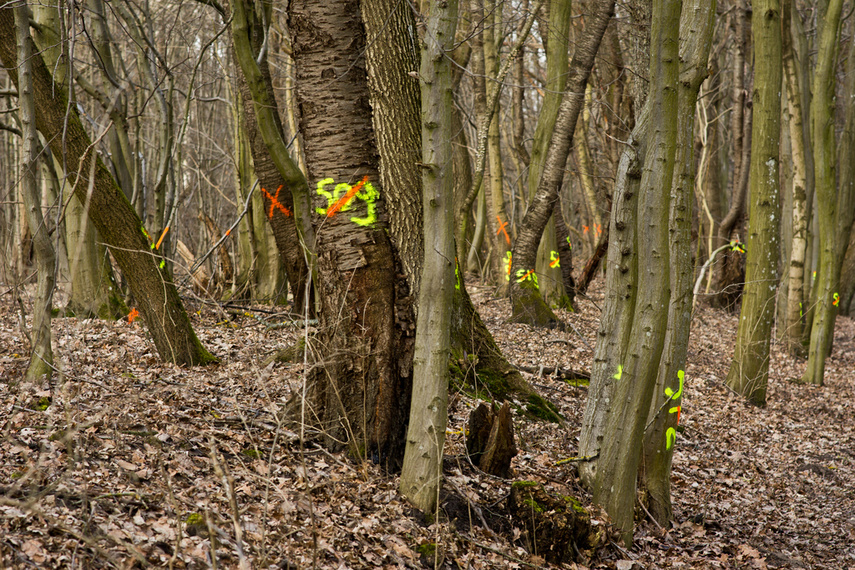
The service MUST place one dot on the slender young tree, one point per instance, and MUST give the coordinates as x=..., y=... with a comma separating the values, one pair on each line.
x=749, y=370
x=41, y=357
x=792, y=332
x=831, y=243
x=422, y=468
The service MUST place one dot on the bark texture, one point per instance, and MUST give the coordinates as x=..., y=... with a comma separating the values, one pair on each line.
x=359, y=392
x=749, y=370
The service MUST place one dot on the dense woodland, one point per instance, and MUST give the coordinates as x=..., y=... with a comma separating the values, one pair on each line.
x=469, y=283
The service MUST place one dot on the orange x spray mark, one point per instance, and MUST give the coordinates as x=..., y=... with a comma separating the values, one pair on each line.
x=599, y=229
x=275, y=203
x=586, y=229
x=342, y=202
x=502, y=230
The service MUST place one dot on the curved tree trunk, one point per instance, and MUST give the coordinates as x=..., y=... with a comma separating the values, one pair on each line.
x=527, y=303
x=109, y=211
x=279, y=192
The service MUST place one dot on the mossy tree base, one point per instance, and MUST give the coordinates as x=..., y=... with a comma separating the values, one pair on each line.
x=529, y=308
x=557, y=528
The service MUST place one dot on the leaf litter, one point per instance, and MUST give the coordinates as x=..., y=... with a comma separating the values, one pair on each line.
x=126, y=461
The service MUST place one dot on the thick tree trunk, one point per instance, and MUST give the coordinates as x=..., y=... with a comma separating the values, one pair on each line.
x=109, y=211
x=358, y=394
x=527, y=303
x=749, y=371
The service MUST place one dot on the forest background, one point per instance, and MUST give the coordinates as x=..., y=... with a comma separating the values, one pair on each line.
x=255, y=159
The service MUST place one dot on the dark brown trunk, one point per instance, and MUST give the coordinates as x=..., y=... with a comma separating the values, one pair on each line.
x=358, y=394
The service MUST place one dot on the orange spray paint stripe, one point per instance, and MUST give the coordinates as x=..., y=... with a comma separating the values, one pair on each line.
x=502, y=229
x=346, y=198
x=163, y=235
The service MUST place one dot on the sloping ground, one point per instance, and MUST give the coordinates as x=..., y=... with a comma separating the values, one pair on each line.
x=125, y=460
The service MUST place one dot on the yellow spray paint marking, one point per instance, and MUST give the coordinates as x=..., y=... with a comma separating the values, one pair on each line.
x=619, y=372
x=507, y=266
x=671, y=433
x=524, y=275
x=670, y=437
x=570, y=245
x=456, y=274
x=800, y=311
x=341, y=199
x=836, y=300
x=737, y=245
x=554, y=260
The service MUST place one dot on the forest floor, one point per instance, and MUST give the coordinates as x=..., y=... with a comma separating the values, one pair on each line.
x=124, y=461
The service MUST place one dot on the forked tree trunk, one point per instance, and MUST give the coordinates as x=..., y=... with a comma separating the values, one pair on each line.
x=635, y=376
x=749, y=370
x=696, y=31
x=109, y=211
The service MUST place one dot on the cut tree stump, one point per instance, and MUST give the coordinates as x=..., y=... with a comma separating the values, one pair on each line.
x=556, y=528
x=490, y=439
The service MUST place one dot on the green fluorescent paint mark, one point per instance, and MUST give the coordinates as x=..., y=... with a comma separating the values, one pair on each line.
x=619, y=372
x=367, y=193
x=670, y=393
x=670, y=437
x=801, y=314
x=162, y=263
x=554, y=260
x=456, y=274
x=507, y=266
x=570, y=245
x=836, y=300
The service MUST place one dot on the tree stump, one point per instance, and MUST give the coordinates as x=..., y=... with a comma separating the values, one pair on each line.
x=556, y=528
x=490, y=439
